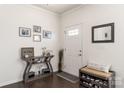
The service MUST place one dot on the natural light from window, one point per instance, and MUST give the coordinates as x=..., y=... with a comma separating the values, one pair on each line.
x=73, y=32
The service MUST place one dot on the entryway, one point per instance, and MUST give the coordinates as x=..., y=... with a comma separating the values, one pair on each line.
x=72, y=50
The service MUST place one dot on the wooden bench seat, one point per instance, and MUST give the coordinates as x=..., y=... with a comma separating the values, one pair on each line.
x=95, y=72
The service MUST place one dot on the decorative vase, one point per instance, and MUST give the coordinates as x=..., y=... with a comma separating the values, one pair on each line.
x=60, y=60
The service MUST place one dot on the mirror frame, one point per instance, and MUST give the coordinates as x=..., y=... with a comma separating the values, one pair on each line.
x=100, y=26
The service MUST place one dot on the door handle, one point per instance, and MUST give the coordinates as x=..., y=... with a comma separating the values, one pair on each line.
x=79, y=54
x=80, y=50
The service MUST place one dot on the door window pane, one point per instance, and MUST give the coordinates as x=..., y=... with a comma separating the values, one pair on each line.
x=72, y=32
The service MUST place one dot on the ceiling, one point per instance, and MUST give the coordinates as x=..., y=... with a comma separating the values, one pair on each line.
x=58, y=8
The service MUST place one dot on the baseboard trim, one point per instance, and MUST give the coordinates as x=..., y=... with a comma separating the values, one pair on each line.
x=9, y=82
x=15, y=81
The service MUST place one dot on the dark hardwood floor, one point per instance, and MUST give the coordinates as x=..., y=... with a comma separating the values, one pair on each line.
x=52, y=81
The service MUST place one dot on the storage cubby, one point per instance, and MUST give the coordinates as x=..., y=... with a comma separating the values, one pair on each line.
x=88, y=78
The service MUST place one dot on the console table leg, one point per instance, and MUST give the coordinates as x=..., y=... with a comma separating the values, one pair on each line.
x=27, y=69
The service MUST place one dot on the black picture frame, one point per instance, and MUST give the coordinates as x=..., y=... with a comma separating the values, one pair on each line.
x=37, y=29
x=24, y=32
x=105, y=34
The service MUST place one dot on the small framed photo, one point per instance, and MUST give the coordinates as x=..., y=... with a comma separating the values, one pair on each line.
x=37, y=38
x=37, y=29
x=47, y=34
x=24, y=32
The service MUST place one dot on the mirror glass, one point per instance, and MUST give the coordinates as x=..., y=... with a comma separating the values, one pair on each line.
x=103, y=33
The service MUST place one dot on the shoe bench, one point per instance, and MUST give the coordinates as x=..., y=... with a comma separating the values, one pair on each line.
x=91, y=78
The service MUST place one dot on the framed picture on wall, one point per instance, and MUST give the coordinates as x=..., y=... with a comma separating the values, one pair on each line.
x=24, y=32
x=47, y=34
x=37, y=38
x=37, y=29
x=103, y=33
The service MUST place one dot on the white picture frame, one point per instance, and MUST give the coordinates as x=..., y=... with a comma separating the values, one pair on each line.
x=37, y=38
x=47, y=34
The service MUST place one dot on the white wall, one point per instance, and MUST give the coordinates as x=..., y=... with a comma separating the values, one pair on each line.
x=109, y=53
x=14, y=16
x=11, y=18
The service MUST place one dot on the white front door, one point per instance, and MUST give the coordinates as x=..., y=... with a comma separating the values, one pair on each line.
x=72, y=50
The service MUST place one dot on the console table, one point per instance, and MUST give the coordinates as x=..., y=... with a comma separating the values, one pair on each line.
x=30, y=60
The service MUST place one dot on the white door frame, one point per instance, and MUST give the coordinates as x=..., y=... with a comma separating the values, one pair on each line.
x=81, y=32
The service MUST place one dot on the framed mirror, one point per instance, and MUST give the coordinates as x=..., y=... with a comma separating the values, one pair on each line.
x=103, y=33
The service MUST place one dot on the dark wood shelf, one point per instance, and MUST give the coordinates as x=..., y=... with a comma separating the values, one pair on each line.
x=85, y=85
x=86, y=80
x=38, y=77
